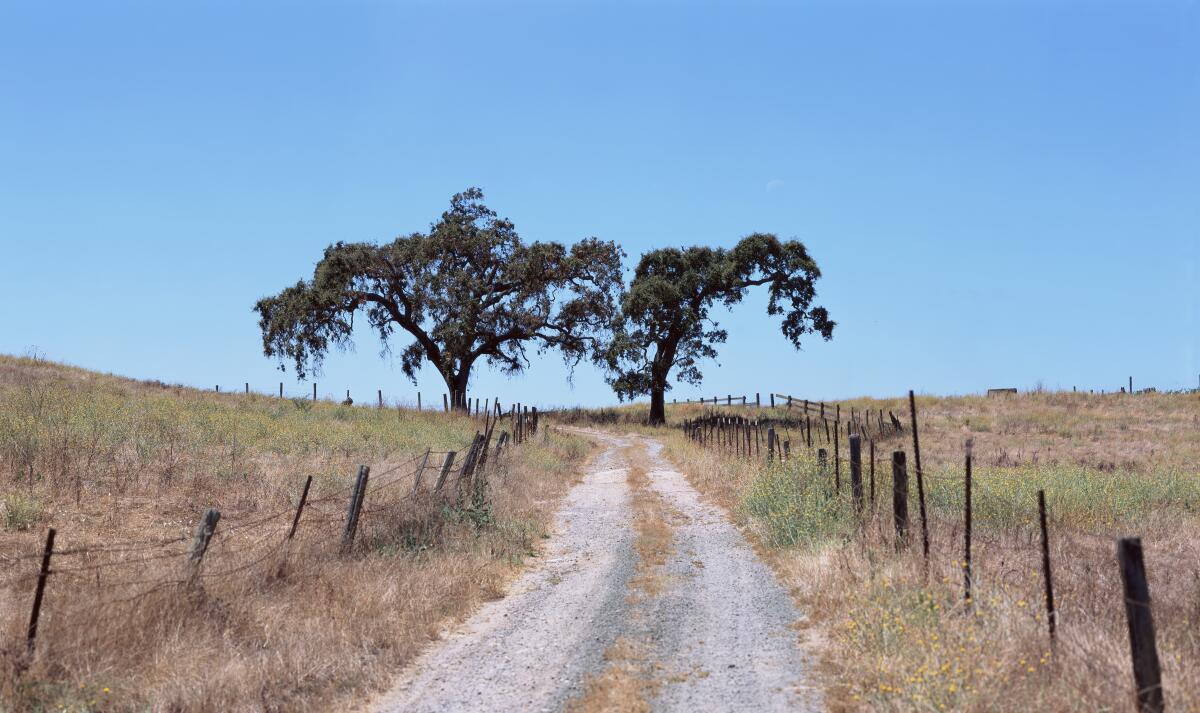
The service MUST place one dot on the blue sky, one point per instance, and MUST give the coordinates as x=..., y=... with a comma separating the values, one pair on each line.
x=998, y=193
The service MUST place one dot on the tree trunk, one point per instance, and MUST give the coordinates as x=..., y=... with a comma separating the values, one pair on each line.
x=457, y=384
x=658, y=406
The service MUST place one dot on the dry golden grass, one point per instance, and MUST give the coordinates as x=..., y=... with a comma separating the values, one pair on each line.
x=625, y=684
x=123, y=470
x=898, y=637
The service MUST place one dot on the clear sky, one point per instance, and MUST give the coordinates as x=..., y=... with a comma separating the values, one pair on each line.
x=998, y=194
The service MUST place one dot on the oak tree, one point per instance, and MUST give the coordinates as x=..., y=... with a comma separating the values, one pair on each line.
x=468, y=289
x=667, y=325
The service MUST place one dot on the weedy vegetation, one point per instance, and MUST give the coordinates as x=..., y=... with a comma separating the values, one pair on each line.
x=896, y=634
x=123, y=470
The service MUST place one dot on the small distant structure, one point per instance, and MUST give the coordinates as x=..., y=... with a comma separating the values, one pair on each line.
x=1001, y=392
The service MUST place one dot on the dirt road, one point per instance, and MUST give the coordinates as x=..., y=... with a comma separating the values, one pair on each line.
x=717, y=633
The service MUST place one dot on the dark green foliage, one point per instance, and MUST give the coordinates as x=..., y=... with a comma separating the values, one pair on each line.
x=467, y=289
x=667, y=326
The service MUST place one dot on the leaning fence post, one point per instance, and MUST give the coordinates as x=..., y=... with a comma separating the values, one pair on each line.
x=1051, y=617
x=900, y=497
x=300, y=507
x=420, y=470
x=31, y=632
x=912, y=408
x=204, y=533
x=356, y=501
x=1142, y=648
x=446, y=465
x=856, y=484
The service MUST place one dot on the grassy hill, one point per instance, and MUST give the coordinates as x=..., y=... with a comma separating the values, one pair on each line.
x=896, y=633
x=124, y=470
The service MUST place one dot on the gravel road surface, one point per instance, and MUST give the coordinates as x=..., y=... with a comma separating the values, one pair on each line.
x=721, y=632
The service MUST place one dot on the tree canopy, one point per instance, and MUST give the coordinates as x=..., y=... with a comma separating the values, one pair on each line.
x=468, y=289
x=667, y=326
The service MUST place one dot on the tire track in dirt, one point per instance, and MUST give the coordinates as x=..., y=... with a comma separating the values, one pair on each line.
x=706, y=627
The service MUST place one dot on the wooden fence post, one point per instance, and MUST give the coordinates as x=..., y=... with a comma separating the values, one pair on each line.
x=446, y=465
x=418, y=400
x=808, y=430
x=822, y=460
x=300, y=507
x=356, y=501
x=421, y=470
x=1142, y=647
x=772, y=400
x=900, y=498
x=247, y=387
x=787, y=450
x=837, y=460
x=1051, y=617
x=757, y=400
x=967, y=530
x=39, y=592
x=445, y=402
x=379, y=392
x=204, y=533
x=281, y=389
x=770, y=444
x=872, y=448
x=856, y=484
x=912, y=408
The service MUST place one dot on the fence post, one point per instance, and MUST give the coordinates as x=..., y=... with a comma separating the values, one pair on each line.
x=772, y=400
x=356, y=501
x=837, y=459
x=856, y=484
x=871, y=445
x=281, y=389
x=418, y=400
x=1142, y=647
x=204, y=533
x=912, y=408
x=1051, y=617
x=787, y=450
x=770, y=444
x=380, y=394
x=31, y=632
x=300, y=507
x=757, y=400
x=445, y=402
x=900, y=497
x=967, y=530
x=822, y=460
x=247, y=387
x=448, y=463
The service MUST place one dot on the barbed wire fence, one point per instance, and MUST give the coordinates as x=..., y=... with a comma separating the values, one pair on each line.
x=129, y=573
x=818, y=429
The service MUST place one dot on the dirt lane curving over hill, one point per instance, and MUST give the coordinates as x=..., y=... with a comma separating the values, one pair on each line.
x=715, y=633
